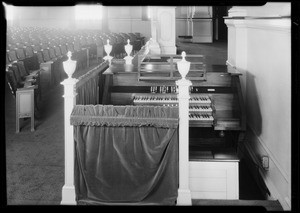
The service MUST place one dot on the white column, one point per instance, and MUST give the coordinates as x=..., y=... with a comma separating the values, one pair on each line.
x=237, y=49
x=163, y=31
x=184, y=193
x=68, y=190
x=231, y=44
x=154, y=46
x=166, y=31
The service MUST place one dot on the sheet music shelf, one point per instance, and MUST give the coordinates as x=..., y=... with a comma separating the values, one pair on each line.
x=164, y=67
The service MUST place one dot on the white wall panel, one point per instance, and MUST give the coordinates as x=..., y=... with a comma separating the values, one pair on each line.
x=266, y=44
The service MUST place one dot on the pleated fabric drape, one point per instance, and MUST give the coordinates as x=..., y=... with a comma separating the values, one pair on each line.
x=90, y=86
x=125, y=155
x=88, y=93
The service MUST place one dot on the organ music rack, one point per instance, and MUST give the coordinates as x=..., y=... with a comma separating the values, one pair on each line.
x=164, y=67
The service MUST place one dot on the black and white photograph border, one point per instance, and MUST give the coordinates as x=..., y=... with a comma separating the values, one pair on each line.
x=221, y=77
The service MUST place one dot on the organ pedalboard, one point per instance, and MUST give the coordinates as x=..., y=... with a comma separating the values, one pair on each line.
x=201, y=108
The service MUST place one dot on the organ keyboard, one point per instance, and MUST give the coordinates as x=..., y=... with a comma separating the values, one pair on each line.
x=150, y=99
x=200, y=108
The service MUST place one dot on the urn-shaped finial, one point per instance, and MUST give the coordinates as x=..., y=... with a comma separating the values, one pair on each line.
x=107, y=48
x=128, y=48
x=69, y=65
x=183, y=66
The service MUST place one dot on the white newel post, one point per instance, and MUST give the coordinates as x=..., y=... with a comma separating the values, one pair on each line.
x=184, y=193
x=68, y=190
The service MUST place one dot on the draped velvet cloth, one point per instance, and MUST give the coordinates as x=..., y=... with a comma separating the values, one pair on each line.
x=89, y=86
x=125, y=155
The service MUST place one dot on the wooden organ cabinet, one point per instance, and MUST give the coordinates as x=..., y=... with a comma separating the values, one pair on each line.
x=217, y=122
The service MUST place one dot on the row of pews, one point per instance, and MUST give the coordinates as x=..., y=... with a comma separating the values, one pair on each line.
x=46, y=49
x=35, y=55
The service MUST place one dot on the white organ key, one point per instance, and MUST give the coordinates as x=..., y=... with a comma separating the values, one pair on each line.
x=200, y=99
x=197, y=108
x=195, y=99
x=200, y=117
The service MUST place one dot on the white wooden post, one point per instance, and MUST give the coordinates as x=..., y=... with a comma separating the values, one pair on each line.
x=68, y=190
x=184, y=193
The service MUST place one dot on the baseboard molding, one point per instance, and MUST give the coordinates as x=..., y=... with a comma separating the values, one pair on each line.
x=275, y=172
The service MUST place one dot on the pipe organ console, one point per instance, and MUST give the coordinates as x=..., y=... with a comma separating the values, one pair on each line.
x=216, y=122
x=215, y=103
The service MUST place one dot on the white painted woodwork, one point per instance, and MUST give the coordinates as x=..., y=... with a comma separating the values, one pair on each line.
x=237, y=50
x=260, y=46
x=68, y=190
x=154, y=46
x=163, y=23
x=184, y=193
x=214, y=180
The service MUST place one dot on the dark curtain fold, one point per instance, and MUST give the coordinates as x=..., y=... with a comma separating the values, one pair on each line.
x=89, y=85
x=132, y=164
x=88, y=93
